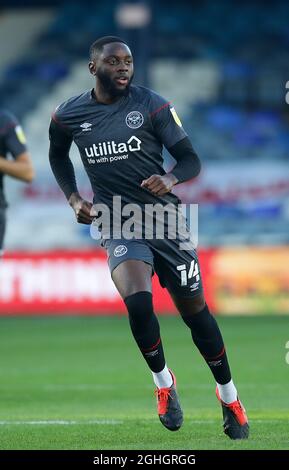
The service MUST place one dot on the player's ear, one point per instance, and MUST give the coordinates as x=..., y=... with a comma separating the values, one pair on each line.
x=91, y=66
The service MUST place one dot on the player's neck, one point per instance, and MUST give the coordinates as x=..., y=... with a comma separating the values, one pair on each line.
x=101, y=96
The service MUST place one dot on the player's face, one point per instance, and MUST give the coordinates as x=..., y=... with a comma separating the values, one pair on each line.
x=114, y=68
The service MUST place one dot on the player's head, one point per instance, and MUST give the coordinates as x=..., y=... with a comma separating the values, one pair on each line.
x=112, y=64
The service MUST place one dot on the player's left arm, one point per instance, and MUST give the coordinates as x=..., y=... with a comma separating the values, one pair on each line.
x=21, y=166
x=188, y=166
x=170, y=132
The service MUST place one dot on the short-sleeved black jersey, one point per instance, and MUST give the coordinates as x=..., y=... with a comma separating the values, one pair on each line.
x=12, y=141
x=121, y=143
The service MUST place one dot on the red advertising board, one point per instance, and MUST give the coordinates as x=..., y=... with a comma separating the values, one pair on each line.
x=65, y=282
x=244, y=280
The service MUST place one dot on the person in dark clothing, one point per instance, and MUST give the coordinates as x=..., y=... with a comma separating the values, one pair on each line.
x=120, y=130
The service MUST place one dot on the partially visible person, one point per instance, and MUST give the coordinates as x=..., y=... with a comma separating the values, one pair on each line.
x=12, y=143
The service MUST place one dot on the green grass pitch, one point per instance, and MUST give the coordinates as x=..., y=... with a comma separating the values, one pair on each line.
x=81, y=383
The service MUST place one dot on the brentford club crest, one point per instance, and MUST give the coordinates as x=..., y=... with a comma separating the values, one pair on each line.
x=120, y=250
x=134, y=119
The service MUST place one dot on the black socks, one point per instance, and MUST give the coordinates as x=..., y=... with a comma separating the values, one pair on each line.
x=204, y=329
x=145, y=329
x=208, y=339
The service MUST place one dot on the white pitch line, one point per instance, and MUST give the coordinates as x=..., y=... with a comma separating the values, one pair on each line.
x=115, y=422
x=62, y=422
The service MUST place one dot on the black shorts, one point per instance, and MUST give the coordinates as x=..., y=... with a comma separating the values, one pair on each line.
x=178, y=270
x=2, y=228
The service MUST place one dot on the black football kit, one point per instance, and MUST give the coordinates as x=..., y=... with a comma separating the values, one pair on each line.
x=121, y=145
x=12, y=142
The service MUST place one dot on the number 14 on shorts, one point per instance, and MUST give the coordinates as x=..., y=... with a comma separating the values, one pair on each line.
x=188, y=274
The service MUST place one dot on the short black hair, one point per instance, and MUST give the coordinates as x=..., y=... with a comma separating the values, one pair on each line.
x=97, y=46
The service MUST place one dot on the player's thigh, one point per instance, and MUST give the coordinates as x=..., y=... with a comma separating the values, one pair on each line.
x=131, y=265
x=132, y=276
x=2, y=228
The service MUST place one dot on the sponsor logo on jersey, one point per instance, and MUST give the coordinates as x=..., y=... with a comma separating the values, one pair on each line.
x=86, y=126
x=120, y=250
x=20, y=135
x=112, y=148
x=134, y=119
x=176, y=117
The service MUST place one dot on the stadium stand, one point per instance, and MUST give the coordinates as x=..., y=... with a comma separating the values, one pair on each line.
x=223, y=64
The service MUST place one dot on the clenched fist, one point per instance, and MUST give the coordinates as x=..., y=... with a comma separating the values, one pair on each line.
x=160, y=185
x=83, y=209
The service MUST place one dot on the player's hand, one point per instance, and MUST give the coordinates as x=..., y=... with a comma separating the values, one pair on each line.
x=160, y=185
x=83, y=209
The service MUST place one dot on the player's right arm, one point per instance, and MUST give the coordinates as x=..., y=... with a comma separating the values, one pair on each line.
x=63, y=170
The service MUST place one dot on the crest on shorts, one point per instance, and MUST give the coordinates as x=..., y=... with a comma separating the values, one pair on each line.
x=120, y=250
x=134, y=119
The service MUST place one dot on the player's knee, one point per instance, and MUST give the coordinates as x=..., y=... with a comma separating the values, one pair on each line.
x=190, y=306
x=198, y=304
x=140, y=310
x=194, y=320
x=192, y=309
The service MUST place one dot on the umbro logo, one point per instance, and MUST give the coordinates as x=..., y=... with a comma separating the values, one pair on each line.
x=86, y=126
x=151, y=353
x=215, y=363
x=194, y=286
